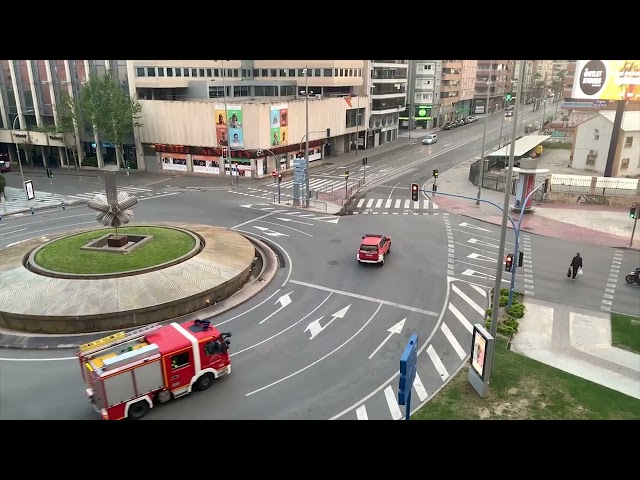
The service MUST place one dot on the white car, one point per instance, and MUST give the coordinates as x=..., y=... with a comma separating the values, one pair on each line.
x=430, y=139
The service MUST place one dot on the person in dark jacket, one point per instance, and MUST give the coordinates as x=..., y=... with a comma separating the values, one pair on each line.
x=576, y=263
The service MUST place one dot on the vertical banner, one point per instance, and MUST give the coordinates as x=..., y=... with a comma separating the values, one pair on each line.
x=279, y=124
x=234, y=120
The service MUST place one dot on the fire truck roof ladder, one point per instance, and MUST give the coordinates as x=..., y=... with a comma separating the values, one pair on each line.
x=102, y=343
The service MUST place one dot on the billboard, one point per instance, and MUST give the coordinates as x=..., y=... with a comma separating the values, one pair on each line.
x=479, y=352
x=279, y=125
x=607, y=80
x=234, y=118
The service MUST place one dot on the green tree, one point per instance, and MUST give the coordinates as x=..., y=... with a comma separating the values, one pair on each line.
x=104, y=105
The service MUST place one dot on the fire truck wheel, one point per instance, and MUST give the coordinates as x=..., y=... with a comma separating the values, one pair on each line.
x=204, y=382
x=138, y=410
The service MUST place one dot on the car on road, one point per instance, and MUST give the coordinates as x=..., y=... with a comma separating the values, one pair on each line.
x=459, y=123
x=430, y=139
x=449, y=126
x=508, y=113
x=373, y=248
x=472, y=119
x=5, y=164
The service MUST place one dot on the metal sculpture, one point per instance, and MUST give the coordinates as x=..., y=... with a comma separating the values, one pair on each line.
x=114, y=207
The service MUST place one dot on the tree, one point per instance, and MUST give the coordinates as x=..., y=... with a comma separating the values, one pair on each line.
x=104, y=105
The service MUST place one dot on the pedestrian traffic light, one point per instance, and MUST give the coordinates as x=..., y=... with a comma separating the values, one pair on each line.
x=633, y=212
x=435, y=173
x=508, y=262
x=225, y=152
x=508, y=97
x=415, y=189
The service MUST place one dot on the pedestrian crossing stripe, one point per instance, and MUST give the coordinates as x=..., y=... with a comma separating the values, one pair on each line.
x=316, y=184
x=90, y=195
x=397, y=203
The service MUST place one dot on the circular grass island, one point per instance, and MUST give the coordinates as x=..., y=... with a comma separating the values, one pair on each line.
x=86, y=253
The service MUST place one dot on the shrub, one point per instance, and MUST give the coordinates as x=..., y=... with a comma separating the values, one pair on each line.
x=504, y=291
x=504, y=299
x=516, y=310
x=90, y=162
x=488, y=313
x=508, y=327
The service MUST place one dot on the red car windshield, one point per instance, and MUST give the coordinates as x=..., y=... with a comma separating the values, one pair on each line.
x=369, y=248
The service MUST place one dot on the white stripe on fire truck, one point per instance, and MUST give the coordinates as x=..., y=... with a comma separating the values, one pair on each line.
x=194, y=344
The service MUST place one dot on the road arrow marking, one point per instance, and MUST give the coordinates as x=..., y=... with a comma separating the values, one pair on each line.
x=331, y=219
x=480, y=242
x=397, y=328
x=473, y=273
x=294, y=221
x=251, y=205
x=284, y=300
x=468, y=225
x=315, y=327
x=271, y=233
x=484, y=258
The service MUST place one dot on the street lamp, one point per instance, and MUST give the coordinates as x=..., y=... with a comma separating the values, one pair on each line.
x=484, y=136
x=306, y=93
x=18, y=148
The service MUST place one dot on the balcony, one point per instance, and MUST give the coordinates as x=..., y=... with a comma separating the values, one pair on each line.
x=450, y=88
x=391, y=61
x=449, y=99
x=452, y=64
x=451, y=76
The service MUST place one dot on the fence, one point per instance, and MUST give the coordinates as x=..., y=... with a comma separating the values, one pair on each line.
x=587, y=185
x=288, y=200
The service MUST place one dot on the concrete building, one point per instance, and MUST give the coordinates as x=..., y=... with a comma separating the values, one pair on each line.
x=493, y=77
x=387, y=84
x=29, y=93
x=527, y=80
x=423, y=104
x=468, y=82
x=558, y=67
x=592, y=139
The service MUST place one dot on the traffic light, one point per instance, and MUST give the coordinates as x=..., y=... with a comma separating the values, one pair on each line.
x=508, y=97
x=279, y=178
x=364, y=161
x=415, y=190
x=520, y=258
x=346, y=174
x=508, y=262
x=328, y=133
x=435, y=173
x=225, y=152
x=633, y=212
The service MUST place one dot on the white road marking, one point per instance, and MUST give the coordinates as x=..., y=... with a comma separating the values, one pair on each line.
x=369, y=203
x=387, y=204
x=394, y=408
x=397, y=204
x=361, y=413
x=251, y=309
x=378, y=203
x=290, y=228
x=321, y=358
x=437, y=363
x=290, y=263
x=364, y=297
x=419, y=387
x=250, y=221
x=461, y=317
x=406, y=204
x=360, y=202
x=464, y=296
x=452, y=340
x=481, y=291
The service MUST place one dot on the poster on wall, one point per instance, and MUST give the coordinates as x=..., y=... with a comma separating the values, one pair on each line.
x=206, y=164
x=232, y=119
x=314, y=154
x=240, y=169
x=261, y=166
x=174, y=161
x=279, y=125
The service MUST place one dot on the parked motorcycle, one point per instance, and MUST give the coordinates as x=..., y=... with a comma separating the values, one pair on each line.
x=633, y=277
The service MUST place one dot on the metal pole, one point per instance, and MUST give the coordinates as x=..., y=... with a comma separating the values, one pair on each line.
x=411, y=88
x=635, y=222
x=226, y=116
x=516, y=253
x=306, y=140
x=277, y=169
x=408, y=411
x=358, y=126
x=503, y=230
x=544, y=111
x=500, y=136
x=484, y=136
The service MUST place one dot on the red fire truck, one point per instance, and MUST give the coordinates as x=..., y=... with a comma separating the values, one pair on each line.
x=125, y=374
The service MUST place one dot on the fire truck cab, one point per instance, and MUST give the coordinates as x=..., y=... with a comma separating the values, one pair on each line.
x=125, y=374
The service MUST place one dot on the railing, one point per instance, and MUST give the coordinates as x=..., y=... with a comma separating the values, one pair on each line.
x=354, y=187
x=330, y=197
x=289, y=199
x=587, y=185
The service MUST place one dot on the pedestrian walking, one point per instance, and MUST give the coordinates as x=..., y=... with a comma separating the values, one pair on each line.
x=575, y=266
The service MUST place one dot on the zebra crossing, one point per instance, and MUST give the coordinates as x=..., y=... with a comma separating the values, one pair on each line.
x=135, y=191
x=395, y=206
x=446, y=352
x=15, y=200
x=316, y=184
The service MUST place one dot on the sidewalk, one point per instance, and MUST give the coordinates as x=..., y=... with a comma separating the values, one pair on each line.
x=577, y=341
x=594, y=224
x=15, y=202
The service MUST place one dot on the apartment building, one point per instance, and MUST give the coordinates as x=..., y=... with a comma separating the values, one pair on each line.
x=30, y=91
x=423, y=104
x=387, y=83
x=493, y=82
x=528, y=82
x=467, y=90
x=559, y=67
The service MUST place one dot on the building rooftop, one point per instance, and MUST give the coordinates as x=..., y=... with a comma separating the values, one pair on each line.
x=630, y=120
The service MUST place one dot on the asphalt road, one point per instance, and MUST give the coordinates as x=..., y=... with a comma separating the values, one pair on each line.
x=279, y=371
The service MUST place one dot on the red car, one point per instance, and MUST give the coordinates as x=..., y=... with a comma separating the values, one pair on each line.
x=373, y=248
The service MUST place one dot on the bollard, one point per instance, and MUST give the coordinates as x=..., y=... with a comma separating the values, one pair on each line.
x=32, y=211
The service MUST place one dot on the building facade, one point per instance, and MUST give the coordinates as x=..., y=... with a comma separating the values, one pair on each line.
x=592, y=140
x=387, y=84
x=527, y=80
x=467, y=90
x=30, y=91
x=493, y=82
x=423, y=104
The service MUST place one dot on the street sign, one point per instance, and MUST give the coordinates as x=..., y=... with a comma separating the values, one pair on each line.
x=28, y=187
x=408, y=366
x=274, y=174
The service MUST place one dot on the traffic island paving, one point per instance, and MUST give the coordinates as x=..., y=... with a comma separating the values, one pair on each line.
x=35, y=303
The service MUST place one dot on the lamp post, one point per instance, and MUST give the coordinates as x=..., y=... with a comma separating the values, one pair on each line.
x=358, y=126
x=226, y=117
x=484, y=136
x=544, y=111
x=306, y=135
x=18, y=148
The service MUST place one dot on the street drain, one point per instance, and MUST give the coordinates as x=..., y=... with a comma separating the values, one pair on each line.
x=334, y=262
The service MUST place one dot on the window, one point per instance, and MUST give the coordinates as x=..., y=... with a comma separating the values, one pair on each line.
x=317, y=72
x=273, y=72
x=185, y=72
x=335, y=72
x=292, y=72
x=264, y=72
x=139, y=72
x=242, y=91
x=283, y=72
x=236, y=72
x=256, y=72
x=160, y=72
x=201, y=72
x=178, y=72
x=354, y=117
x=151, y=72
x=194, y=72
x=169, y=72
x=216, y=92
x=624, y=163
x=288, y=91
x=427, y=66
x=209, y=73
x=180, y=360
x=271, y=91
x=591, y=158
x=301, y=72
x=327, y=72
x=213, y=348
x=596, y=134
x=628, y=142
x=216, y=72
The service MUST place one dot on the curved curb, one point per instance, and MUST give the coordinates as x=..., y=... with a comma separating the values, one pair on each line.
x=16, y=340
x=29, y=260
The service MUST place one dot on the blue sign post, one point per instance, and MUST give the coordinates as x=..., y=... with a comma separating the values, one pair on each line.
x=408, y=365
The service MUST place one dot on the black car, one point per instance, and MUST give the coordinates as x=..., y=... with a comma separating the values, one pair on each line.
x=460, y=123
x=449, y=126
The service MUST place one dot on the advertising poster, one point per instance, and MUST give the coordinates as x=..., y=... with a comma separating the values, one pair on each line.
x=479, y=353
x=279, y=124
x=233, y=119
x=607, y=80
x=174, y=161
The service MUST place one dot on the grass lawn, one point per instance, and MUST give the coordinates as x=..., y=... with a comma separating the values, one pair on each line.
x=524, y=389
x=65, y=255
x=625, y=331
